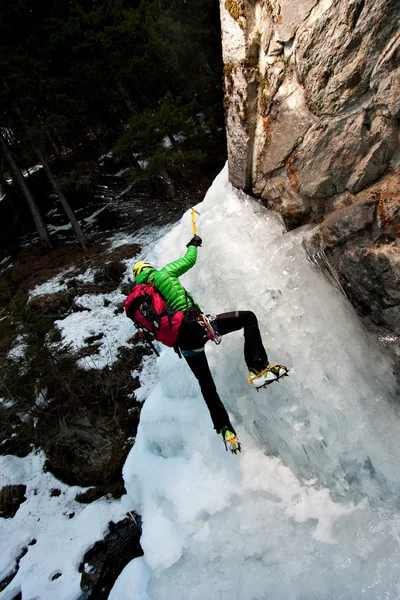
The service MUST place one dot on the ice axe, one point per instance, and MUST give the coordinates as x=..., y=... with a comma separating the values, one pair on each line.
x=194, y=211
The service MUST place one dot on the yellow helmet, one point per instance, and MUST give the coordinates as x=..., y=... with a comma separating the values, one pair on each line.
x=139, y=266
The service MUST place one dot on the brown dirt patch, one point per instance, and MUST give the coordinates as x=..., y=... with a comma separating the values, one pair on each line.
x=11, y=498
x=54, y=304
x=36, y=266
x=84, y=431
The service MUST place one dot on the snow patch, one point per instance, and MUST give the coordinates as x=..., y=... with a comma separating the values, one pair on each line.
x=58, y=283
x=148, y=376
x=18, y=351
x=132, y=582
x=101, y=316
x=59, y=529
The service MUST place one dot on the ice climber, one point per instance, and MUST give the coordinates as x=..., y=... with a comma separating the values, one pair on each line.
x=194, y=329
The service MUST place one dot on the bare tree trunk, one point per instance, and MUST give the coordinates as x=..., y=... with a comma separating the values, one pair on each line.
x=197, y=121
x=3, y=181
x=167, y=182
x=133, y=162
x=20, y=181
x=123, y=91
x=173, y=141
x=85, y=151
x=5, y=187
x=64, y=202
x=206, y=65
x=55, y=142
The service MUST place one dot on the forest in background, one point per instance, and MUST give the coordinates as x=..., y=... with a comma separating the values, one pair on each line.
x=82, y=78
x=106, y=94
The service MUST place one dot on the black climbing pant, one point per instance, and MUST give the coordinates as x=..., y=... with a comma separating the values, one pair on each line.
x=191, y=342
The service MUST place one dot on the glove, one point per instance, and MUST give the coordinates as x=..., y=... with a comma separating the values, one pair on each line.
x=195, y=241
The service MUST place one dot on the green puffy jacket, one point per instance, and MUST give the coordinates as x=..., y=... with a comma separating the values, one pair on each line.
x=167, y=283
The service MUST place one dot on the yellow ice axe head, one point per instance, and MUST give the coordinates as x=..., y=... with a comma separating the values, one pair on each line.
x=194, y=211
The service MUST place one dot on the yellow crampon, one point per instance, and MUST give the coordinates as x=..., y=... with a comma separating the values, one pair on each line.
x=230, y=438
x=276, y=371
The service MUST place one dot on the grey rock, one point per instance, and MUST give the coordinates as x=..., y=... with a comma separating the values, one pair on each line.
x=279, y=194
x=388, y=215
x=319, y=143
x=273, y=79
x=337, y=55
x=390, y=318
x=284, y=127
x=373, y=277
x=385, y=77
x=342, y=224
x=276, y=48
x=345, y=153
x=291, y=15
x=240, y=87
x=387, y=92
x=370, y=167
x=86, y=455
x=325, y=160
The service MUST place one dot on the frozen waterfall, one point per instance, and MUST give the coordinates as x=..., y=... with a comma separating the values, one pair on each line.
x=311, y=507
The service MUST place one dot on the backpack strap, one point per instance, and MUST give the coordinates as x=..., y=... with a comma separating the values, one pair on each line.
x=152, y=315
x=168, y=311
x=189, y=297
x=134, y=306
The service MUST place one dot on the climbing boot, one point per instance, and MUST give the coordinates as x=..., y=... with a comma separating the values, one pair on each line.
x=230, y=440
x=266, y=376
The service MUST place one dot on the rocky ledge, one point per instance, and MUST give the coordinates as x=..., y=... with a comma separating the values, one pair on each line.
x=312, y=99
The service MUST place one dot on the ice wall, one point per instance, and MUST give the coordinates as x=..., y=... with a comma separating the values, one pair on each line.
x=310, y=507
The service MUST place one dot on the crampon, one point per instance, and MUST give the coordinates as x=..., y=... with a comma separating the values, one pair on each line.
x=268, y=375
x=230, y=440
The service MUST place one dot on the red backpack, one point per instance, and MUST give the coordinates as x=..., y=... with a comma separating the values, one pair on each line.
x=148, y=310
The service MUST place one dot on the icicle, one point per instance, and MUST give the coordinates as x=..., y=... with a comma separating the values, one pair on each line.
x=321, y=260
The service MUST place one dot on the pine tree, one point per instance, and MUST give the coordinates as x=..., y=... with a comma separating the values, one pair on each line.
x=20, y=181
x=64, y=202
x=82, y=70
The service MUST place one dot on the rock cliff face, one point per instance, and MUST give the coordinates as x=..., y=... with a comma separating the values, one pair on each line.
x=312, y=100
